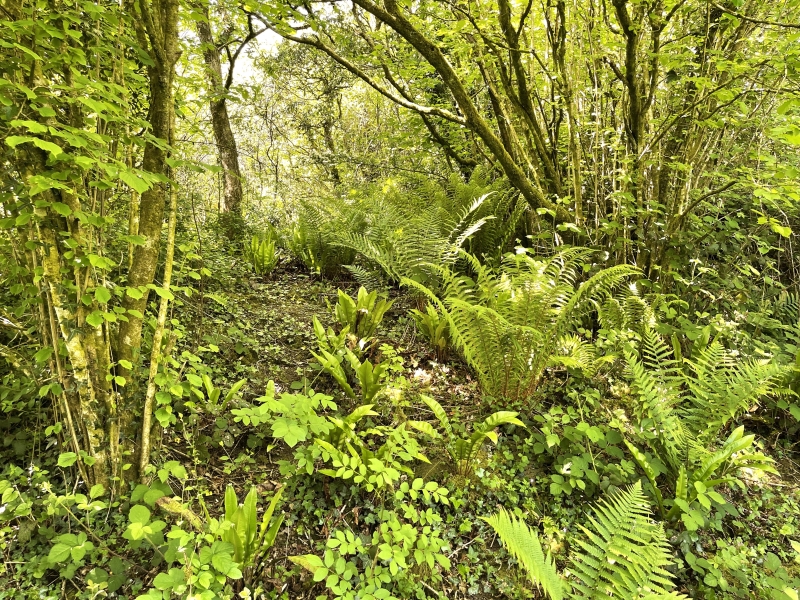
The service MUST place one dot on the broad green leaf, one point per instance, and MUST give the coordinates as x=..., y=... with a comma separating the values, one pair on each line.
x=102, y=295
x=59, y=553
x=139, y=514
x=95, y=319
x=133, y=181
x=53, y=149
x=15, y=140
x=67, y=459
x=61, y=209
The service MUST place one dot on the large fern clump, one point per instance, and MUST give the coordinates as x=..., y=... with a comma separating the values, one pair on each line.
x=678, y=408
x=510, y=323
x=407, y=228
x=681, y=403
x=623, y=553
x=313, y=237
x=500, y=211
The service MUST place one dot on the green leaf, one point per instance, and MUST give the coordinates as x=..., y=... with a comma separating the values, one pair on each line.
x=53, y=149
x=164, y=293
x=219, y=555
x=781, y=230
x=15, y=140
x=786, y=106
x=102, y=295
x=43, y=355
x=97, y=490
x=133, y=181
x=67, y=459
x=95, y=319
x=59, y=553
x=134, y=293
x=139, y=514
x=78, y=552
x=168, y=581
x=61, y=209
x=31, y=126
x=289, y=431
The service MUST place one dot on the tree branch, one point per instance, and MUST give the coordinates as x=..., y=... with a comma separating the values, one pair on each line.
x=315, y=42
x=739, y=15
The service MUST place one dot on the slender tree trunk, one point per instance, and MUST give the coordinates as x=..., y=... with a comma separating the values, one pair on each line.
x=220, y=120
x=157, y=30
x=158, y=336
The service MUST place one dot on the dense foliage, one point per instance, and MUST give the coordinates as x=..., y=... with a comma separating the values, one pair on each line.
x=379, y=299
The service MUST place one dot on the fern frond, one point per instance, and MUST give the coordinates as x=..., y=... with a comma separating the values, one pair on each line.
x=654, y=397
x=523, y=544
x=574, y=353
x=721, y=389
x=625, y=554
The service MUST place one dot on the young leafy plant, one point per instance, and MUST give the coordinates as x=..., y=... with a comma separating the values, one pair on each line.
x=351, y=456
x=434, y=327
x=262, y=253
x=240, y=527
x=213, y=394
x=330, y=341
x=292, y=416
x=371, y=378
x=363, y=314
x=464, y=451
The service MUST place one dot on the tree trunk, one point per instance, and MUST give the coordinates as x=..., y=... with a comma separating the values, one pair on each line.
x=220, y=120
x=157, y=30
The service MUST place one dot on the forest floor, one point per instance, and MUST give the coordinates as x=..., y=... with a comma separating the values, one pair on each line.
x=261, y=330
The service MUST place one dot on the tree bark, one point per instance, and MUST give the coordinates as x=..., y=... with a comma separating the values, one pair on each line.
x=220, y=120
x=157, y=30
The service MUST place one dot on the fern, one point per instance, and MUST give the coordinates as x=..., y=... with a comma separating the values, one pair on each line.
x=721, y=388
x=464, y=451
x=523, y=544
x=623, y=553
x=402, y=242
x=673, y=402
x=314, y=234
x=511, y=323
x=679, y=407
